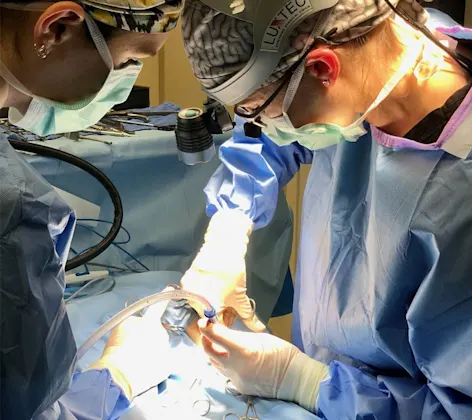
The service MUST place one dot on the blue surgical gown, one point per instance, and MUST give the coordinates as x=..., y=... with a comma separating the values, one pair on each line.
x=384, y=277
x=37, y=348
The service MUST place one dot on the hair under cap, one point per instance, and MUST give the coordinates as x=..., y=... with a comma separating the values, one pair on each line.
x=146, y=16
x=219, y=46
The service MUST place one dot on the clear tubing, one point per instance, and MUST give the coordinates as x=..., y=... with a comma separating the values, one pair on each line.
x=177, y=294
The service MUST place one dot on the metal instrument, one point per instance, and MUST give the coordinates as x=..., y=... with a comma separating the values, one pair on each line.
x=17, y=133
x=129, y=117
x=104, y=129
x=141, y=114
x=124, y=121
x=76, y=137
x=200, y=406
x=250, y=414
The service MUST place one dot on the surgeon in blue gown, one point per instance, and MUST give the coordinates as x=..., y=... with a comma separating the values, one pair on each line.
x=382, y=319
x=63, y=65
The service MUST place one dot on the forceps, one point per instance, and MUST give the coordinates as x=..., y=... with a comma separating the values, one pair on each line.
x=250, y=414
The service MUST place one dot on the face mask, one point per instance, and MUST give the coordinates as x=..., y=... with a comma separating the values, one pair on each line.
x=45, y=117
x=319, y=136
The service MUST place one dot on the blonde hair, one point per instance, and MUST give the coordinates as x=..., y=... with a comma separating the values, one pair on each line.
x=373, y=54
x=378, y=54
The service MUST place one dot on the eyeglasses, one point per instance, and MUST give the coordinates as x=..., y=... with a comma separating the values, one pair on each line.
x=254, y=113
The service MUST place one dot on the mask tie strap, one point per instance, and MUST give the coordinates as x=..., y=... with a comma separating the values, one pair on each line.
x=300, y=71
x=99, y=41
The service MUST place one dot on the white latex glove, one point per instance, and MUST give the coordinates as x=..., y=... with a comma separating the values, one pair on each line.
x=218, y=273
x=263, y=365
x=137, y=352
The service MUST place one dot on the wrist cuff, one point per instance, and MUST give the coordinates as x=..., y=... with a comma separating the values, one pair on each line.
x=226, y=241
x=302, y=380
x=233, y=223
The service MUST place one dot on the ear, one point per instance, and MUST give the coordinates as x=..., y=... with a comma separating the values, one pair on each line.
x=54, y=25
x=323, y=64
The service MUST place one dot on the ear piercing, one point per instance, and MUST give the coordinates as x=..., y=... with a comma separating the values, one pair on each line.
x=326, y=82
x=41, y=51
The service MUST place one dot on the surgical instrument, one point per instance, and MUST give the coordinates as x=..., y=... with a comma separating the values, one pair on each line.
x=176, y=294
x=20, y=133
x=205, y=408
x=250, y=406
x=110, y=122
x=142, y=113
x=95, y=139
x=203, y=404
x=97, y=129
x=131, y=122
x=231, y=390
x=77, y=136
x=168, y=403
x=127, y=114
x=250, y=414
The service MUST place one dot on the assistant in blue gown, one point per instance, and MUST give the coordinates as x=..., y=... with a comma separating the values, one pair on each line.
x=38, y=351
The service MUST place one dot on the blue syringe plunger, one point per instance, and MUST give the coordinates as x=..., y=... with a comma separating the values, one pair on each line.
x=211, y=315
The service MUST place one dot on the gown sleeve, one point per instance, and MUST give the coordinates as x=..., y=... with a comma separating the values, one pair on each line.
x=93, y=396
x=251, y=175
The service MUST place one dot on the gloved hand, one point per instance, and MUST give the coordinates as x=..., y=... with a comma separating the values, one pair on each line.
x=137, y=352
x=219, y=271
x=263, y=365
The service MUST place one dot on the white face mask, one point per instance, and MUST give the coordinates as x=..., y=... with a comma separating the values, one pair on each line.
x=317, y=136
x=45, y=117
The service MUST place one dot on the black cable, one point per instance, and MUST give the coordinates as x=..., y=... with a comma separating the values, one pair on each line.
x=116, y=268
x=100, y=177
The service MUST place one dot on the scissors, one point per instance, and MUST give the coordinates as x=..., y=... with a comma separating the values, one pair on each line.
x=250, y=409
x=250, y=414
